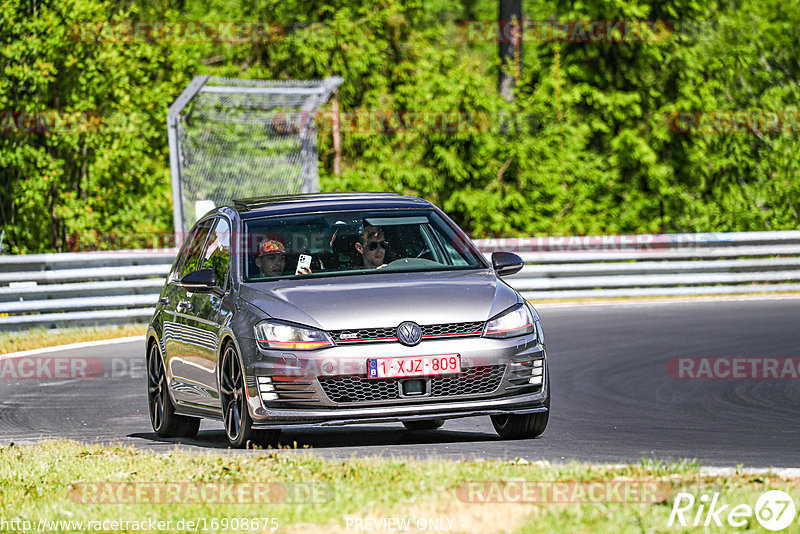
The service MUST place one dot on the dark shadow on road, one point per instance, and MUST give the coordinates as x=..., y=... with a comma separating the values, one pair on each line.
x=335, y=438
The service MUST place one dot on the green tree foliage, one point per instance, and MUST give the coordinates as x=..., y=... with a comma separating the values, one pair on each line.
x=721, y=57
x=97, y=183
x=585, y=147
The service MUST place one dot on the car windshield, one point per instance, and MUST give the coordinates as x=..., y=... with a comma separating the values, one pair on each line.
x=352, y=242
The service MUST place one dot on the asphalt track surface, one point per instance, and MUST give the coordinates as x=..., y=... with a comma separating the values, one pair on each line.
x=613, y=399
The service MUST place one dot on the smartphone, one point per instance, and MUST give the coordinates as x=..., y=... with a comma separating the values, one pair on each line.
x=303, y=262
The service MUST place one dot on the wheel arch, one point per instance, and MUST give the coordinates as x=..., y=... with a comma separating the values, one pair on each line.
x=253, y=400
x=225, y=338
x=152, y=338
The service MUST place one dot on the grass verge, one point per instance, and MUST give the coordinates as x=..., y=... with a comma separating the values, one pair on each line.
x=62, y=481
x=40, y=337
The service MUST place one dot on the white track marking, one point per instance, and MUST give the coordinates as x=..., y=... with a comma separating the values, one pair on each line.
x=82, y=345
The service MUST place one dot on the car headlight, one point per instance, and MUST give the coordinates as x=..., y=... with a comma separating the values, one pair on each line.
x=518, y=321
x=275, y=335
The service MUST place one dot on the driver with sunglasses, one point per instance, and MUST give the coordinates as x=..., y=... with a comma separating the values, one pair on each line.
x=372, y=247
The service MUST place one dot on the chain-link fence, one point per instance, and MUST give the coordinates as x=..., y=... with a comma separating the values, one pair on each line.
x=231, y=138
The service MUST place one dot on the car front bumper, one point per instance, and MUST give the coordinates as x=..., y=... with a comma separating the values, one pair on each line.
x=314, y=407
x=311, y=418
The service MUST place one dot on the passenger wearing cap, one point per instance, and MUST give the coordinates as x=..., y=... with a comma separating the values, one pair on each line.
x=271, y=258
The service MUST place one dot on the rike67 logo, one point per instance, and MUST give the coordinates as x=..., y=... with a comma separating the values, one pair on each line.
x=774, y=511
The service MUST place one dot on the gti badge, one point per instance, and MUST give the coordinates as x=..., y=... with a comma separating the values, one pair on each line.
x=409, y=333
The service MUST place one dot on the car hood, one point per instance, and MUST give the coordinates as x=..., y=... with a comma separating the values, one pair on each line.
x=383, y=300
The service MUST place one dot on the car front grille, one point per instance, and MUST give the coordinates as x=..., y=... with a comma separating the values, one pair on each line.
x=364, y=335
x=470, y=381
x=433, y=331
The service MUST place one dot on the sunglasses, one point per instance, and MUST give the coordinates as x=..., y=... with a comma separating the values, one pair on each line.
x=372, y=245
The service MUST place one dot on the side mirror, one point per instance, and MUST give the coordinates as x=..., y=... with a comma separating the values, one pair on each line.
x=505, y=263
x=200, y=281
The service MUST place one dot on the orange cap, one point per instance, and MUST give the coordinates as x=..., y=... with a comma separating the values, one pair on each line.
x=271, y=247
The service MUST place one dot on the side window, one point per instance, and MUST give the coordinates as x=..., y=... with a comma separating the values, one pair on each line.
x=218, y=253
x=181, y=259
x=194, y=249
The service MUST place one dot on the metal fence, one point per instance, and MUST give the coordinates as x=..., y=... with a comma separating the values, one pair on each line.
x=50, y=290
x=232, y=138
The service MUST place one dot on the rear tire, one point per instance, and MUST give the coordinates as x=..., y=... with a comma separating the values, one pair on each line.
x=166, y=423
x=425, y=424
x=235, y=414
x=523, y=426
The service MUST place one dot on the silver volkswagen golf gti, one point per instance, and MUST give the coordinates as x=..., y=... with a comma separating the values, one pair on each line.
x=338, y=309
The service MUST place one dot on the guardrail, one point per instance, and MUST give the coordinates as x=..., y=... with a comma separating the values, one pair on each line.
x=89, y=288
x=653, y=265
x=51, y=290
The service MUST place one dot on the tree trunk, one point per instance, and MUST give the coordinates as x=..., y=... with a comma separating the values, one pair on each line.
x=337, y=142
x=510, y=46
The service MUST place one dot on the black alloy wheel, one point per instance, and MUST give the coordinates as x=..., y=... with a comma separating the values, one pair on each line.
x=235, y=414
x=165, y=421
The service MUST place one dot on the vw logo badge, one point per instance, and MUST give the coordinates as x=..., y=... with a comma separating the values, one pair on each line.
x=409, y=333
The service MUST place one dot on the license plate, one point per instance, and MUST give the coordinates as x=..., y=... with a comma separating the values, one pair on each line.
x=405, y=366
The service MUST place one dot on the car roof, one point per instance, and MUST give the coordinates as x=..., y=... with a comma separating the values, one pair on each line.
x=317, y=202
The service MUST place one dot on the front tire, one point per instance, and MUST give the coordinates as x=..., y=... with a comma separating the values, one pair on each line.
x=235, y=415
x=523, y=426
x=166, y=423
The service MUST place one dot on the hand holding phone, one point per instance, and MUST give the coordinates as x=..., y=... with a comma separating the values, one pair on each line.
x=303, y=264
